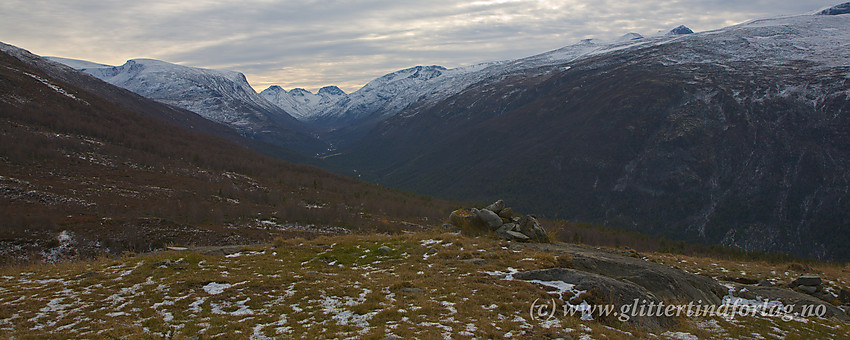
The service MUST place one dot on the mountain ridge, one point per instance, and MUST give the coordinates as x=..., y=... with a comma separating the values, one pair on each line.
x=221, y=96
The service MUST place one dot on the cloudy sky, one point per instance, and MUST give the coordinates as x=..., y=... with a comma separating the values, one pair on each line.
x=311, y=44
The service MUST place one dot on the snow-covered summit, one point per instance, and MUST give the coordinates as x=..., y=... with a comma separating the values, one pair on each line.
x=681, y=30
x=218, y=95
x=303, y=104
x=331, y=91
x=77, y=64
x=421, y=86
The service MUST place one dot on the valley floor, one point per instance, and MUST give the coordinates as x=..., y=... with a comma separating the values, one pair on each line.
x=423, y=285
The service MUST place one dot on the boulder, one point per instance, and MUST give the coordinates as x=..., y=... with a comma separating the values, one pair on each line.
x=807, y=280
x=468, y=222
x=603, y=290
x=516, y=236
x=529, y=226
x=497, y=206
x=506, y=227
x=490, y=218
x=765, y=283
x=384, y=250
x=506, y=213
x=502, y=231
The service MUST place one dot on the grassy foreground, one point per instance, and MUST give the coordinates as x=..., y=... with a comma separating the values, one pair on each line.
x=426, y=285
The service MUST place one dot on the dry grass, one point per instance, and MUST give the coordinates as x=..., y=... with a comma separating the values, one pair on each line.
x=340, y=286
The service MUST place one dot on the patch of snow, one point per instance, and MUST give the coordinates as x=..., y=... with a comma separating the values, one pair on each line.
x=250, y=253
x=56, y=88
x=426, y=243
x=214, y=288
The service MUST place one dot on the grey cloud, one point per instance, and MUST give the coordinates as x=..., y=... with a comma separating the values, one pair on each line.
x=315, y=43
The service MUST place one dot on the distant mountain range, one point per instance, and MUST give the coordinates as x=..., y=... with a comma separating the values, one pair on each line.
x=221, y=96
x=88, y=168
x=734, y=136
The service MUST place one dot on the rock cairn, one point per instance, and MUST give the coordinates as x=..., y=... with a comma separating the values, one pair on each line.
x=501, y=220
x=812, y=285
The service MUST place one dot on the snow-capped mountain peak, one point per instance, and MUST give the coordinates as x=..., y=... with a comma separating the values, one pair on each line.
x=218, y=95
x=303, y=104
x=681, y=30
x=331, y=91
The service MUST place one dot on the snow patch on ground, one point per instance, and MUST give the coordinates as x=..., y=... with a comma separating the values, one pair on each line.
x=214, y=288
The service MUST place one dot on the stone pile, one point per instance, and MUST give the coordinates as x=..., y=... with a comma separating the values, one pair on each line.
x=501, y=220
x=811, y=285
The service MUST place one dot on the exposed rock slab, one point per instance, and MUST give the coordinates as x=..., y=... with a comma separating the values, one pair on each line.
x=665, y=282
x=798, y=300
x=605, y=291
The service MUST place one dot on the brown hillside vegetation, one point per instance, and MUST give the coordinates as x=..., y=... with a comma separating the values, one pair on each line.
x=424, y=285
x=80, y=176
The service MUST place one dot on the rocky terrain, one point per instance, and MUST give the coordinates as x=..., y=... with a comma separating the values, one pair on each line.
x=425, y=285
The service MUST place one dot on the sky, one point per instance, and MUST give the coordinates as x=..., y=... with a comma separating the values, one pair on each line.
x=310, y=44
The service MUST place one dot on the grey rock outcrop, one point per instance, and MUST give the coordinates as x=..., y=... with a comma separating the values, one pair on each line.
x=798, y=301
x=603, y=290
x=497, y=206
x=528, y=225
x=499, y=219
x=665, y=282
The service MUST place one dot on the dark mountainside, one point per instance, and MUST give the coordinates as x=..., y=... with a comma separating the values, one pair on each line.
x=710, y=138
x=81, y=175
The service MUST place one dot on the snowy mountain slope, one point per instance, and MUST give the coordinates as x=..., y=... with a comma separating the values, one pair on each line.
x=220, y=96
x=735, y=136
x=77, y=64
x=388, y=95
